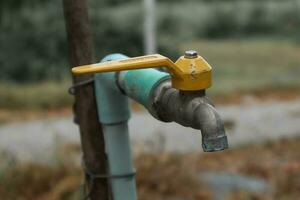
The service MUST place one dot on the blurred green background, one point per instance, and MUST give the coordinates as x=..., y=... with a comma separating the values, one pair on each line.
x=252, y=44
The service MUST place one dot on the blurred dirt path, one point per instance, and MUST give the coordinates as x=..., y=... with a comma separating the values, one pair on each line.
x=250, y=122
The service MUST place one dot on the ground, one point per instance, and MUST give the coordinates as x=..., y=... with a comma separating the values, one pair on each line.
x=167, y=175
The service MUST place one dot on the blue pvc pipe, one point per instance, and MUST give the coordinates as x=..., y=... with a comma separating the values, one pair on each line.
x=117, y=146
x=138, y=84
x=114, y=112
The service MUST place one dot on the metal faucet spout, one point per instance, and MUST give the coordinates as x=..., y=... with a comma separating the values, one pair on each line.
x=212, y=128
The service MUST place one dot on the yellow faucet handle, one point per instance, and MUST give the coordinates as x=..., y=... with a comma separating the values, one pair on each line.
x=150, y=61
x=188, y=73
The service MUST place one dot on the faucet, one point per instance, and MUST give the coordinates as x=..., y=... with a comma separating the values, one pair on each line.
x=180, y=98
x=177, y=96
x=191, y=109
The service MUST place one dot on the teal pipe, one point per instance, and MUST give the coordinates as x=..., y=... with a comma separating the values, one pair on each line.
x=113, y=110
x=138, y=84
x=117, y=146
x=112, y=105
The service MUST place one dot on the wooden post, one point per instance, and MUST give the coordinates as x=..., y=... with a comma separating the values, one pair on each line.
x=81, y=52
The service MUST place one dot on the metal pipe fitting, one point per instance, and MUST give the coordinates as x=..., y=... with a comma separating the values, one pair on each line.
x=191, y=109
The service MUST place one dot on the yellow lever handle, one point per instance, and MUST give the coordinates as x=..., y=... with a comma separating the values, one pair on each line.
x=150, y=61
x=186, y=73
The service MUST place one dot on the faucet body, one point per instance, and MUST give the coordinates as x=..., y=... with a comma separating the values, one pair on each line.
x=191, y=109
x=187, y=108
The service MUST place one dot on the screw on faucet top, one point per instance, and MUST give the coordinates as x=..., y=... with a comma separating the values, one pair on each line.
x=190, y=54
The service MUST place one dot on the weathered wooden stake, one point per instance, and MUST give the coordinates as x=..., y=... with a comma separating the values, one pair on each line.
x=81, y=52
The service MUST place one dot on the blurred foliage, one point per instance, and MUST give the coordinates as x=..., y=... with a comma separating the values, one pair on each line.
x=261, y=66
x=45, y=95
x=33, y=41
